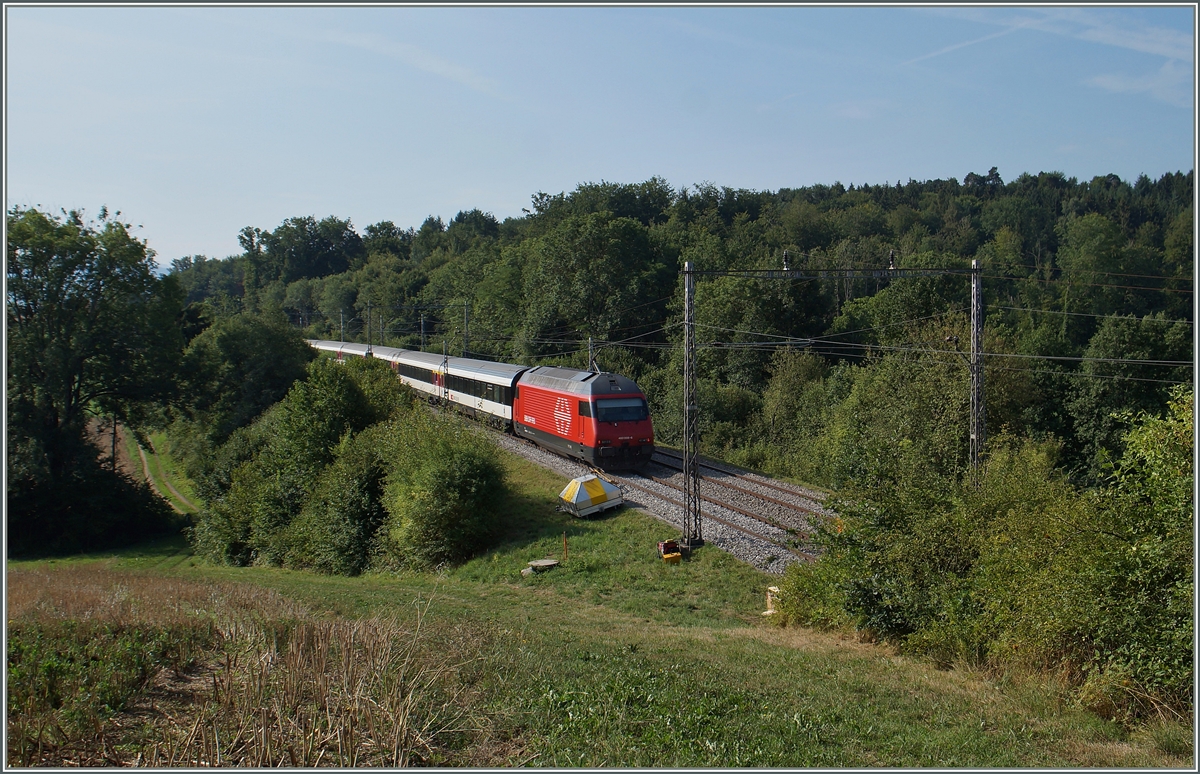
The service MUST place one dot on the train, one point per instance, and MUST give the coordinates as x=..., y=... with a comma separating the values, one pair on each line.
x=600, y=418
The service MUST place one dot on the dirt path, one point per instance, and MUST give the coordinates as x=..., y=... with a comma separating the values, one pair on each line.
x=154, y=484
x=100, y=431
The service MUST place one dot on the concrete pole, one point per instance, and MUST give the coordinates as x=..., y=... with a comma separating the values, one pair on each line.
x=978, y=409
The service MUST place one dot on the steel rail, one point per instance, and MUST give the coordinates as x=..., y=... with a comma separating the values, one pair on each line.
x=757, y=517
x=758, y=495
x=717, y=519
x=747, y=478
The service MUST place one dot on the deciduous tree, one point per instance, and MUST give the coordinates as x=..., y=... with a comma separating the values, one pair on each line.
x=91, y=330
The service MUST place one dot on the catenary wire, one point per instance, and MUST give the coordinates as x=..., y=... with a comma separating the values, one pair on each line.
x=1083, y=314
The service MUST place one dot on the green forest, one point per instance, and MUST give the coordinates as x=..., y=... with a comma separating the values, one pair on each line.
x=1088, y=288
x=1072, y=551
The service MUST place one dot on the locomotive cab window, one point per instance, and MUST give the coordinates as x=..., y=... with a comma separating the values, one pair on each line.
x=585, y=408
x=622, y=410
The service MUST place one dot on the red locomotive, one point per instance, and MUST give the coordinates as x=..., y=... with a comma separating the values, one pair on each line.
x=600, y=418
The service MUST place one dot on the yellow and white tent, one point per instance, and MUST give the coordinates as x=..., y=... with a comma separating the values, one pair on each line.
x=589, y=494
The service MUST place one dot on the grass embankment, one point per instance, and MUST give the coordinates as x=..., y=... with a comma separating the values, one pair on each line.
x=612, y=658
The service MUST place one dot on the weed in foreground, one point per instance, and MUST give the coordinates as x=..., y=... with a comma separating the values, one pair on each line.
x=111, y=668
x=321, y=693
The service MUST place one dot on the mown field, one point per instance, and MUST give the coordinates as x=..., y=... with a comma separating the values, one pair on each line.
x=150, y=656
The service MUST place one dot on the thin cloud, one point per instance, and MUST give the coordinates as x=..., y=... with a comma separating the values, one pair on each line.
x=411, y=55
x=964, y=44
x=417, y=57
x=858, y=110
x=1093, y=25
x=1172, y=84
x=777, y=102
x=1089, y=25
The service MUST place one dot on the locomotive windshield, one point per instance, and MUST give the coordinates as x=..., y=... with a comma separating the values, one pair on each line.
x=621, y=410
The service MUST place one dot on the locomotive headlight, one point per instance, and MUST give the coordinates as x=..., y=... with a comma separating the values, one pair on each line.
x=643, y=440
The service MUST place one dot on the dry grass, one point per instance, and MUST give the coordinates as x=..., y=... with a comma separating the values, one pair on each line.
x=322, y=693
x=270, y=685
x=95, y=592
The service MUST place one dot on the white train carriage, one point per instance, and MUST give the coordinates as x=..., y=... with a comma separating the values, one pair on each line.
x=478, y=386
x=483, y=386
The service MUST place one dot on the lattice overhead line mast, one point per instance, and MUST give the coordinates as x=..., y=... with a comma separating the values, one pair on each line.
x=693, y=534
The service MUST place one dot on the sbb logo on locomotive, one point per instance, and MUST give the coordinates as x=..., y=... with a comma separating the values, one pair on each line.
x=562, y=416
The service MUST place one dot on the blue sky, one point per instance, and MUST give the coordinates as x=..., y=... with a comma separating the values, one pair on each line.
x=197, y=121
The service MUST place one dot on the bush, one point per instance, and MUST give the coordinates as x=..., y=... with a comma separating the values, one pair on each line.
x=309, y=486
x=247, y=522
x=1025, y=599
x=384, y=393
x=238, y=367
x=810, y=596
x=1144, y=582
x=337, y=526
x=443, y=491
x=1026, y=571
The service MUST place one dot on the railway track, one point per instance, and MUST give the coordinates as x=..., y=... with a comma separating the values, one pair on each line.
x=754, y=533
x=720, y=482
x=760, y=523
x=757, y=480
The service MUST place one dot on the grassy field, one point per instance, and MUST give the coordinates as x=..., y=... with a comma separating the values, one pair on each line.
x=611, y=659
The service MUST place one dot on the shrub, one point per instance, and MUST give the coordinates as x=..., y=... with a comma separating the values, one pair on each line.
x=443, y=491
x=298, y=439
x=336, y=527
x=1026, y=571
x=1025, y=600
x=238, y=367
x=1144, y=582
x=384, y=393
x=811, y=596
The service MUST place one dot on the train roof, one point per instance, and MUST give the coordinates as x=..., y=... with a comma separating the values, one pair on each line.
x=338, y=346
x=588, y=383
x=470, y=368
x=484, y=370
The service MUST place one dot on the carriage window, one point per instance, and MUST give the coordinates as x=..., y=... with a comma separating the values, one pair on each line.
x=418, y=374
x=621, y=410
